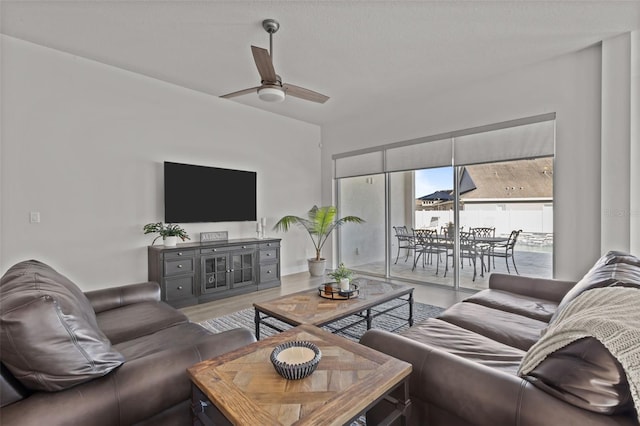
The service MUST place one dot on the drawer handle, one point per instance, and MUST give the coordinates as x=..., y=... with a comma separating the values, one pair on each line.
x=179, y=266
x=179, y=253
x=179, y=287
x=200, y=406
x=268, y=254
x=244, y=247
x=268, y=272
x=268, y=244
x=214, y=250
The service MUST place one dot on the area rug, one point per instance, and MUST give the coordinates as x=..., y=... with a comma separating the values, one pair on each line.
x=245, y=318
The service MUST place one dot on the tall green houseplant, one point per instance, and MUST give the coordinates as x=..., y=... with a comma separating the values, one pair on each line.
x=319, y=223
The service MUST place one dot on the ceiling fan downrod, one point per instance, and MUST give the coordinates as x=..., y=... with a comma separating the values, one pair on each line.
x=271, y=26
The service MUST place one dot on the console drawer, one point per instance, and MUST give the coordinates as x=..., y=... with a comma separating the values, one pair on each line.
x=179, y=254
x=268, y=255
x=264, y=246
x=269, y=272
x=178, y=288
x=178, y=266
x=227, y=249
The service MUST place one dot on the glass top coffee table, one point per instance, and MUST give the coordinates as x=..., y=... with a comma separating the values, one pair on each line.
x=309, y=307
x=242, y=387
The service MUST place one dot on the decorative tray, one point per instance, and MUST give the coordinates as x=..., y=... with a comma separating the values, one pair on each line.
x=332, y=291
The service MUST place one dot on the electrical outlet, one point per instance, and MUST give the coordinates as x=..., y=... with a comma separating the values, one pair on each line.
x=34, y=217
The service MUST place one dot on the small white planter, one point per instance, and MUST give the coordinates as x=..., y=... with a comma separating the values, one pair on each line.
x=170, y=241
x=344, y=284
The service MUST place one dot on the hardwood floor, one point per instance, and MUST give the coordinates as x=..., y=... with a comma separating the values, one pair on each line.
x=424, y=293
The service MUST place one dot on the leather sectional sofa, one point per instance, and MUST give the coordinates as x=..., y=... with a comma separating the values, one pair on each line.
x=116, y=356
x=466, y=363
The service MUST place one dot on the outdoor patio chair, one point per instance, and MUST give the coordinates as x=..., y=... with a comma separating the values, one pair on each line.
x=429, y=244
x=483, y=248
x=468, y=250
x=483, y=231
x=506, y=250
x=406, y=241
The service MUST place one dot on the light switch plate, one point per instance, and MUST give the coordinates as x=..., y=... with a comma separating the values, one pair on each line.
x=214, y=236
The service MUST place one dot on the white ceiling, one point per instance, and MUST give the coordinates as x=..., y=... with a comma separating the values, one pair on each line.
x=365, y=55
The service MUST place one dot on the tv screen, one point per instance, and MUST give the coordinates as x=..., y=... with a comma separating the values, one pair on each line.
x=208, y=194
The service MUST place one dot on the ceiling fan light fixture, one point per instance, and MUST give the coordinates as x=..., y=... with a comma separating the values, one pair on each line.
x=271, y=94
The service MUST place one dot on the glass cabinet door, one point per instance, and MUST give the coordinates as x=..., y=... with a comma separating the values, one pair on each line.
x=215, y=273
x=242, y=267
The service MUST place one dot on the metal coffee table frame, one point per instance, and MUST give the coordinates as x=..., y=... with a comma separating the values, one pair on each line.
x=363, y=308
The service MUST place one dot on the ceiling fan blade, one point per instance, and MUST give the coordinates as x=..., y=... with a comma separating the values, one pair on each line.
x=306, y=94
x=240, y=92
x=264, y=64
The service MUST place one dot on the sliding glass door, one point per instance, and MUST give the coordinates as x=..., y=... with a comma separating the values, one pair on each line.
x=508, y=206
x=421, y=200
x=362, y=246
x=450, y=210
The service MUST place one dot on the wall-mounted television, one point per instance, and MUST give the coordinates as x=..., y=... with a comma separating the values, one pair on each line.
x=208, y=194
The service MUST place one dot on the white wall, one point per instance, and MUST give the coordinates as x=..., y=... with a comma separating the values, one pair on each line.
x=83, y=144
x=569, y=85
x=616, y=151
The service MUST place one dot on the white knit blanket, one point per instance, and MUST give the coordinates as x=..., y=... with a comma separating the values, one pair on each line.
x=611, y=315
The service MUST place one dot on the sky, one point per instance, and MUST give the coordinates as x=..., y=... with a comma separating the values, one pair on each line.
x=431, y=180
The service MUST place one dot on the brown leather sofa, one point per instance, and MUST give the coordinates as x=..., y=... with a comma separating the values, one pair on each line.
x=116, y=356
x=466, y=361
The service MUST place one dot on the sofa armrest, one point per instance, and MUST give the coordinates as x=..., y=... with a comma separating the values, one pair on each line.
x=472, y=391
x=542, y=288
x=115, y=297
x=135, y=391
x=478, y=394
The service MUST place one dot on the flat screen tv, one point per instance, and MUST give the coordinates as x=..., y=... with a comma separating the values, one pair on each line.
x=208, y=194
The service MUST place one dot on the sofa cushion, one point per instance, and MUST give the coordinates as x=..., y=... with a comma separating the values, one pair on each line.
x=11, y=390
x=505, y=327
x=181, y=335
x=49, y=337
x=184, y=335
x=585, y=374
x=527, y=306
x=466, y=344
x=139, y=319
x=613, y=269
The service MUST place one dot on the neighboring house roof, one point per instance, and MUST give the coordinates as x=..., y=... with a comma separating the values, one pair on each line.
x=516, y=180
x=510, y=180
x=444, y=195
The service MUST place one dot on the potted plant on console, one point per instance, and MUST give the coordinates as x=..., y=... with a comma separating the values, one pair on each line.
x=170, y=232
x=319, y=223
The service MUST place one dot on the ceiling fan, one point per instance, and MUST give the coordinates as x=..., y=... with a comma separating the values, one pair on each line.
x=271, y=88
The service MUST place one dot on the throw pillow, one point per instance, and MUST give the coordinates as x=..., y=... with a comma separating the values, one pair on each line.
x=49, y=337
x=613, y=269
x=584, y=374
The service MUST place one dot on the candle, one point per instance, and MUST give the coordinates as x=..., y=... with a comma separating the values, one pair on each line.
x=258, y=227
x=264, y=222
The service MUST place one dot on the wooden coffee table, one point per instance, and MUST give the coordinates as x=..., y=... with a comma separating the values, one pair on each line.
x=243, y=388
x=307, y=307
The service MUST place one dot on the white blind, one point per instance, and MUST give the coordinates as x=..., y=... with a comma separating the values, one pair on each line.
x=420, y=156
x=359, y=165
x=525, y=141
x=528, y=137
